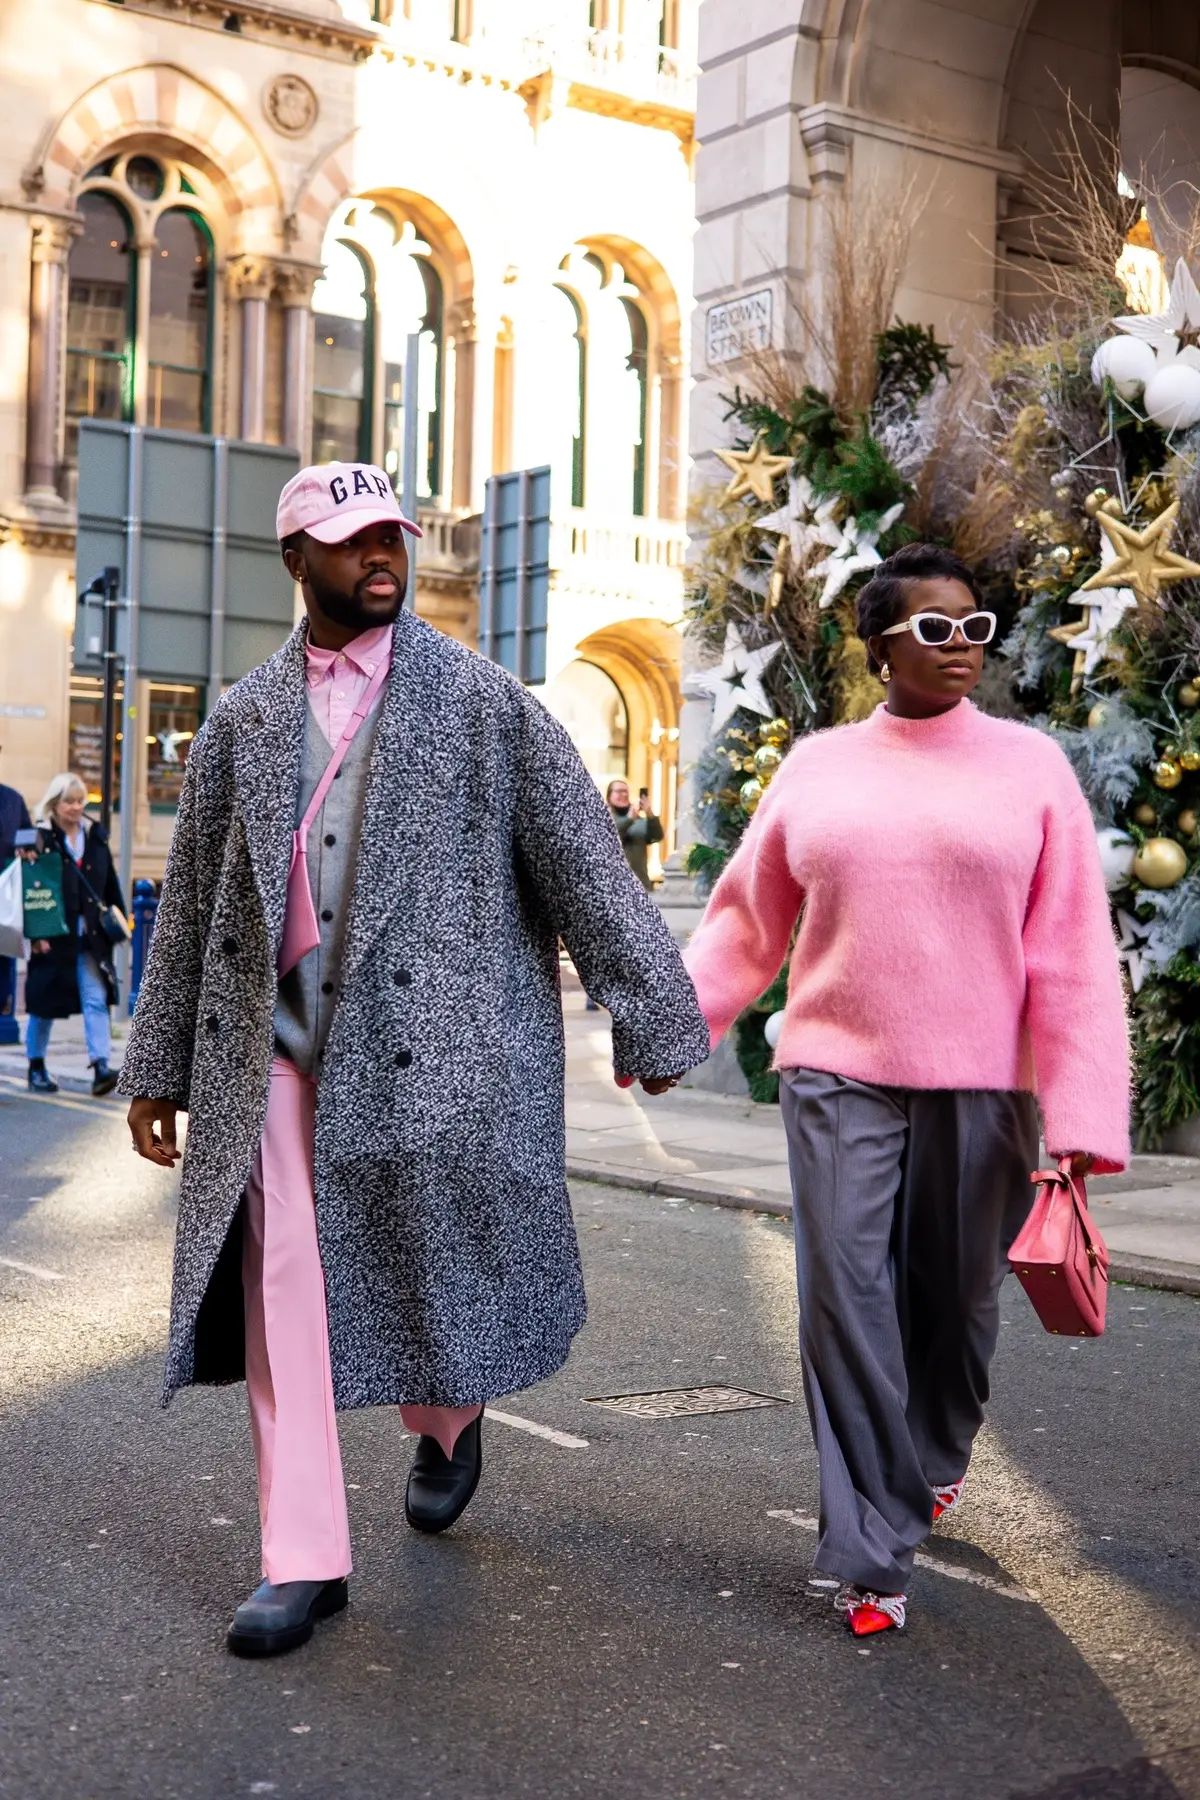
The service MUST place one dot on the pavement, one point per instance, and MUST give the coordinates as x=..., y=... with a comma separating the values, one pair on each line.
x=728, y=1151
x=624, y=1613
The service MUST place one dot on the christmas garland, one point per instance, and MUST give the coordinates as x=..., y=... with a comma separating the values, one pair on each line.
x=1069, y=475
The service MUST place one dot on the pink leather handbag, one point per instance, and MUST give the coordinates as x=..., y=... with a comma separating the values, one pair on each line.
x=301, y=933
x=1059, y=1257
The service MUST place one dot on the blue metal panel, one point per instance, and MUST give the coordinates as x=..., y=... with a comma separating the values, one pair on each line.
x=515, y=573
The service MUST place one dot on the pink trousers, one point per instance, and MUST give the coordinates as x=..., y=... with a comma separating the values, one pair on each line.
x=301, y=1493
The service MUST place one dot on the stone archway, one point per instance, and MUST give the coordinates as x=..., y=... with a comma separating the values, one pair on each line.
x=161, y=100
x=642, y=656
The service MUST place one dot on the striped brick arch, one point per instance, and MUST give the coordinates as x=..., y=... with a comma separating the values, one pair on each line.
x=324, y=187
x=163, y=100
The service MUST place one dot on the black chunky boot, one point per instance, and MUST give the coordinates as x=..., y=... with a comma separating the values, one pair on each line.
x=104, y=1079
x=440, y=1487
x=39, y=1081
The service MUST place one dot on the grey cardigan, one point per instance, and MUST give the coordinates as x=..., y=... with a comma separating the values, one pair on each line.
x=451, y=1266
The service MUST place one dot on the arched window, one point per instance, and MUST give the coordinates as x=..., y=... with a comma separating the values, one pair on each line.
x=140, y=298
x=180, y=323
x=567, y=398
x=101, y=302
x=344, y=356
x=637, y=364
x=380, y=286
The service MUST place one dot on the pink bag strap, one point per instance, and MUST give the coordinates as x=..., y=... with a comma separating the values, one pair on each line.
x=339, y=755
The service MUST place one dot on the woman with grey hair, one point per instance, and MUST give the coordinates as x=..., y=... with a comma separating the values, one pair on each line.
x=74, y=973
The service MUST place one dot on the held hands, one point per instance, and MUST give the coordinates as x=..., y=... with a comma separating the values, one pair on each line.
x=143, y=1116
x=656, y=1084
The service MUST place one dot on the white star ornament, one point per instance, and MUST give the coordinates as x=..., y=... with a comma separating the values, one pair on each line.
x=1162, y=331
x=852, y=549
x=735, y=681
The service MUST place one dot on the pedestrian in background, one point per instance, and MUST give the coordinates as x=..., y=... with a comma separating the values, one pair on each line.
x=637, y=827
x=74, y=973
x=14, y=817
x=954, y=956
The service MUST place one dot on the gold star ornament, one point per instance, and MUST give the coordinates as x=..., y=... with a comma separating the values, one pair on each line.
x=755, y=471
x=1141, y=559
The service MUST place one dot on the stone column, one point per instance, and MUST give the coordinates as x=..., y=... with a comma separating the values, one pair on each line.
x=294, y=283
x=50, y=248
x=463, y=328
x=250, y=279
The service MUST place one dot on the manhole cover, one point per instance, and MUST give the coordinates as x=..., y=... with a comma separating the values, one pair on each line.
x=681, y=1403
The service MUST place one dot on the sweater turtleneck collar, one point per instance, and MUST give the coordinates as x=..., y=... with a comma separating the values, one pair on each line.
x=942, y=732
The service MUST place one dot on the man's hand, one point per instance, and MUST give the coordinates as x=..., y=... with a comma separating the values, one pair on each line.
x=656, y=1084
x=143, y=1116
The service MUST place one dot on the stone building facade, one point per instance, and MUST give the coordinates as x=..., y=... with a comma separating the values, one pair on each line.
x=228, y=215
x=955, y=98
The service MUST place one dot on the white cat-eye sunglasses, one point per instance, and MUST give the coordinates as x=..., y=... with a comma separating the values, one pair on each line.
x=934, y=629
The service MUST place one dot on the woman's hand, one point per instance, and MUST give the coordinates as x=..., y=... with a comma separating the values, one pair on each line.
x=40, y=946
x=1082, y=1162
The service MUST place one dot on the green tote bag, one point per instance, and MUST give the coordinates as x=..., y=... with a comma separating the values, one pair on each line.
x=42, y=895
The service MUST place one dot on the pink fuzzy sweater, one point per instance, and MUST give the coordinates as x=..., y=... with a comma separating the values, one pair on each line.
x=954, y=928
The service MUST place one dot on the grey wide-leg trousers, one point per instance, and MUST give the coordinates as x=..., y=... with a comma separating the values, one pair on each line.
x=906, y=1201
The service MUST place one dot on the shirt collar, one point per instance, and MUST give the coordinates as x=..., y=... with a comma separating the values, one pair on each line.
x=365, y=652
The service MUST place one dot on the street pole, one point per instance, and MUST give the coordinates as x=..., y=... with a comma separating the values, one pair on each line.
x=130, y=723
x=408, y=480
x=110, y=587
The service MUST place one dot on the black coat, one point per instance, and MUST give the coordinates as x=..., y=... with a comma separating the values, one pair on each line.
x=51, y=985
x=14, y=817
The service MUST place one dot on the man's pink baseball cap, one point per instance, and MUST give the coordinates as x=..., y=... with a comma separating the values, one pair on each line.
x=331, y=501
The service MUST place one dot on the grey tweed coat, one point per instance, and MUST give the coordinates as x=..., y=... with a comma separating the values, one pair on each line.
x=451, y=1266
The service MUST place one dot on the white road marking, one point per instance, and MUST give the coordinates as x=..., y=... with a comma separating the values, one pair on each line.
x=7, y=1262
x=563, y=1439
x=954, y=1571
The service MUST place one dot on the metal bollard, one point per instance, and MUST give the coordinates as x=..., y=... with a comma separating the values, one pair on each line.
x=145, y=907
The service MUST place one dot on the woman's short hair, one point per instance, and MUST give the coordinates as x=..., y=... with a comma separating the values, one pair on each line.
x=67, y=786
x=881, y=600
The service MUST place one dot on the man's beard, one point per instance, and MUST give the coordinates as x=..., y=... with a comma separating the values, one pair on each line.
x=353, y=609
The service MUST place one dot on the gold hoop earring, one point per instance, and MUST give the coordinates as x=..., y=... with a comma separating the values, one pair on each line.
x=885, y=674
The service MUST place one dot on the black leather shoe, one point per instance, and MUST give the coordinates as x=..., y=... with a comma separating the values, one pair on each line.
x=104, y=1079
x=280, y=1616
x=39, y=1081
x=440, y=1487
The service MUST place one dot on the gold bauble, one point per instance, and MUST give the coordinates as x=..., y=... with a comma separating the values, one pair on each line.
x=750, y=793
x=1097, y=715
x=1186, y=823
x=1094, y=502
x=1166, y=773
x=1189, y=759
x=766, y=760
x=1160, y=863
x=775, y=731
x=1189, y=694
x=1144, y=815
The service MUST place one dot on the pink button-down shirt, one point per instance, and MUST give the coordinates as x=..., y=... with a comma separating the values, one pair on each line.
x=336, y=678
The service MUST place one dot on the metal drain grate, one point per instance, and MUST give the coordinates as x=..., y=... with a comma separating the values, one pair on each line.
x=682, y=1403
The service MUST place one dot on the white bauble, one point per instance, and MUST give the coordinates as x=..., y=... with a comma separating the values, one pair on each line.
x=1128, y=363
x=1116, y=857
x=772, y=1028
x=1173, y=396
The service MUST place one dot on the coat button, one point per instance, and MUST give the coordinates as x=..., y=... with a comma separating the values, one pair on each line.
x=327, y=916
x=402, y=978
x=212, y=1023
x=327, y=987
x=330, y=840
x=403, y=1058
x=229, y=946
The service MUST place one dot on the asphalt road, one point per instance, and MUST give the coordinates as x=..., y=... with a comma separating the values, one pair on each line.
x=629, y=1620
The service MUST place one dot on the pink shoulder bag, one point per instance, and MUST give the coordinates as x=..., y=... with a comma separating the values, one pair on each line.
x=301, y=933
x=1059, y=1257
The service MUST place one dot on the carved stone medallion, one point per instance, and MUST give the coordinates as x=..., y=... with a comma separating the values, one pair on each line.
x=290, y=105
